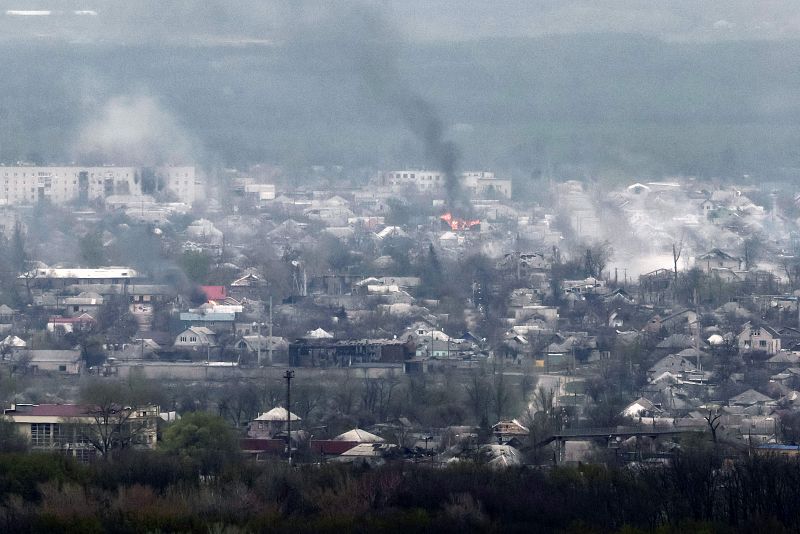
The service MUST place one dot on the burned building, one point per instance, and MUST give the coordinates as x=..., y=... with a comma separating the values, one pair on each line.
x=346, y=353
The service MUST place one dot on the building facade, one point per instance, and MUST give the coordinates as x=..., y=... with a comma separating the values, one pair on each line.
x=77, y=430
x=479, y=183
x=27, y=185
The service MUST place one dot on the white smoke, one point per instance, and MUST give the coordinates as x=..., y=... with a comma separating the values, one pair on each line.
x=134, y=130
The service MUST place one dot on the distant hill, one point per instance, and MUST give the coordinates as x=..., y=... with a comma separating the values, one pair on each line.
x=604, y=102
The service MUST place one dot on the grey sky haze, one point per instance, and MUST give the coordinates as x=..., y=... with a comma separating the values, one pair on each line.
x=193, y=22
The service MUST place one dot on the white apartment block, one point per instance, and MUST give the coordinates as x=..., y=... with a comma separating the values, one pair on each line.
x=25, y=185
x=478, y=183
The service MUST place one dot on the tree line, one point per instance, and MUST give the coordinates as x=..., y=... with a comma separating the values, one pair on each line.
x=162, y=491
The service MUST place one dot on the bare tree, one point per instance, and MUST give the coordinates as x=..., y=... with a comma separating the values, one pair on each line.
x=346, y=394
x=239, y=403
x=596, y=258
x=677, y=249
x=501, y=396
x=307, y=399
x=115, y=419
x=480, y=396
x=713, y=421
x=792, y=269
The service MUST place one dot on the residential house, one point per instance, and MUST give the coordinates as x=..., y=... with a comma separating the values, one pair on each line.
x=64, y=325
x=215, y=293
x=12, y=342
x=271, y=423
x=7, y=317
x=87, y=302
x=706, y=207
x=759, y=338
x=56, y=278
x=750, y=398
x=672, y=367
x=506, y=430
x=250, y=286
x=196, y=337
x=642, y=407
x=253, y=343
x=56, y=361
x=587, y=286
x=717, y=259
x=219, y=321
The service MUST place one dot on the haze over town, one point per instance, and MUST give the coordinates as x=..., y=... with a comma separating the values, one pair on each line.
x=382, y=266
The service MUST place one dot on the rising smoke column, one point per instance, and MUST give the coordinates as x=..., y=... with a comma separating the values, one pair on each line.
x=371, y=47
x=378, y=61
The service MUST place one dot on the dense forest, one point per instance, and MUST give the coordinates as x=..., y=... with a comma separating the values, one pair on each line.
x=547, y=105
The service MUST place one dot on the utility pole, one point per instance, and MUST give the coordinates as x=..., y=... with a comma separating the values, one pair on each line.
x=258, y=342
x=288, y=375
x=269, y=341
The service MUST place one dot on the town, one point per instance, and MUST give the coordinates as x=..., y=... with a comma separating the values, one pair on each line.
x=399, y=266
x=589, y=326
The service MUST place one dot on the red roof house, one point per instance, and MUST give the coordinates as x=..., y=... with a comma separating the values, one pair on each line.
x=215, y=292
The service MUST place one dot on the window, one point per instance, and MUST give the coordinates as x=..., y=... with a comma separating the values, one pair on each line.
x=183, y=339
x=62, y=368
x=762, y=343
x=59, y=437
x=40, y=434
x=84, y=455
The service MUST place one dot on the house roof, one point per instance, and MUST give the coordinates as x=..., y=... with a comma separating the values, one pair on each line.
x=52, y=356
x=214, y=292
x=672, y=364
x=717, y=254
x=207, y=317
x=50, y=410
x=369, y=449
x=393, y=231
x=749, y=397
x=360, y=436
x=749, y=326
x=319, y=333
x=785, y=357
x=676, y=341
x=202, y=330
x=265, y=341
x=13, y=341
x=276, y=414
x=82, y=318
x=246, y=280
x=85, y=274
x=510, y=427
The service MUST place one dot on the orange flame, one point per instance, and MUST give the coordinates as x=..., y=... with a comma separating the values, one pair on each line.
x=457, y=224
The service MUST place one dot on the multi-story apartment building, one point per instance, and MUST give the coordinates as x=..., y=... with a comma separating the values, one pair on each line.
x=478, y=183
x=21, y=185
